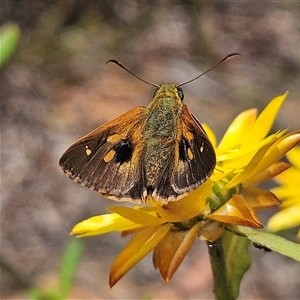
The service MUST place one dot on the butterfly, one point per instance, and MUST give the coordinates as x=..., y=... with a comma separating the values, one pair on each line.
x=159, y=152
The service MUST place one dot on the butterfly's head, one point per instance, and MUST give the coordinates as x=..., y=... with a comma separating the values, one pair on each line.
x=168, y=90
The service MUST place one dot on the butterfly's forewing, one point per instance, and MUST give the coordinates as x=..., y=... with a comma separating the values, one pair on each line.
x=195, y=157
x=106, y=160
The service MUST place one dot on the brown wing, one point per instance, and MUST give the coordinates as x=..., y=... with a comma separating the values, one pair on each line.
x=107, y=160
x=195, y=157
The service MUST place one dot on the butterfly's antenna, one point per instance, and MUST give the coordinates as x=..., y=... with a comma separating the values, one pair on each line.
x=218, y=63
x=139, y=78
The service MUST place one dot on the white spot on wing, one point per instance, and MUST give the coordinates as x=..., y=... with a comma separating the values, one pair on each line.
x=87, y=150
x=201, y=148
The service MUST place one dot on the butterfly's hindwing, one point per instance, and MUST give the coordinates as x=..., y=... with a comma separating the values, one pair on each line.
x=195, y=157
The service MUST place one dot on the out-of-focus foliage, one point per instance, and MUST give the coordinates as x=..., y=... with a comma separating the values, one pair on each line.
x=68, y=267
x=9, y=37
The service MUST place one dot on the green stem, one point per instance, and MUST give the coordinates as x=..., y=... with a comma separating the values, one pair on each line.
x=222, y=288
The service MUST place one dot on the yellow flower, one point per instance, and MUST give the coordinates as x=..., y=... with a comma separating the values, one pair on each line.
x=289, y=192
x=246, y=156
x=154, y=226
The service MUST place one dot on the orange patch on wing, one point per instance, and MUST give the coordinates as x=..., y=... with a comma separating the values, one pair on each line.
x=189, y=135
x=109, y=156
x=190, y=154
x=114, y=138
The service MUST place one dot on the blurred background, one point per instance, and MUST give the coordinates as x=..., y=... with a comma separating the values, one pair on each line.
x=57, y=87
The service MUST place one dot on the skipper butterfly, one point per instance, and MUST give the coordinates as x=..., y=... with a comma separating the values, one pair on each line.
x=158, y=152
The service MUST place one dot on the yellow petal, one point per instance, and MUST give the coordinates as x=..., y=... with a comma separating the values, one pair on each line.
x=284, y=219
x=102, y=224
x=241, y=157
x=263, y=159
x=236, y=211
x=211, y=231
x=291, y=177
x=292, y=201
x=270, y=172
x=169, y=253
x=249, y=165
x=278, y=149
x=220, y=173
x=135, y=250
x=264, y=121
x=237, y=130
x=137, y=215
x=259, y=198
x=188, y=207
x=266, y=156
x=294, y=157
x=284, y=192
x=132, y=231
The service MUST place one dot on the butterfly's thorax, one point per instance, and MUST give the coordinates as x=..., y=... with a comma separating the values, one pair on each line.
x=162, y=122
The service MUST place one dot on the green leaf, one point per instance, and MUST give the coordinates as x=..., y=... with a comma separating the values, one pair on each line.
x=70, y=261
x=230, y=260
x=9, y=37
x=271, y=241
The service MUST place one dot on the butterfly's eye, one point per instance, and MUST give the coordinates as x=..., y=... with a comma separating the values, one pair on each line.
x=180, y=93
